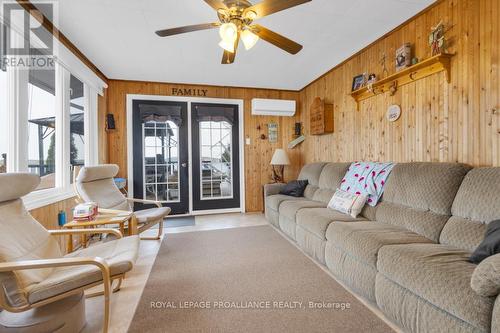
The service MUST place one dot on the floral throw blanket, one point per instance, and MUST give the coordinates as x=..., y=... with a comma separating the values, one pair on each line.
x=367, y=178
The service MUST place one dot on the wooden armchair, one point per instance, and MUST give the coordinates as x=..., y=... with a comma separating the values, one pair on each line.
x=33, y=270
x=96, y=184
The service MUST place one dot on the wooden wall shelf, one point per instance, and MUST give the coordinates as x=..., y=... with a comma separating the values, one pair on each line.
x=425, y=68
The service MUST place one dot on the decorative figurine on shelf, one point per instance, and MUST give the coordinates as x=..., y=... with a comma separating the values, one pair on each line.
x=383, y=60
x=372, y=78
x=437, y=41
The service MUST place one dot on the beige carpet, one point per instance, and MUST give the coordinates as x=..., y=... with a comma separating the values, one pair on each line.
x=244, y=280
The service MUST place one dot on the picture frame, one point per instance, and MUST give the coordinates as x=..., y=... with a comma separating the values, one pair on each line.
x=403, y=57
x=358, y=82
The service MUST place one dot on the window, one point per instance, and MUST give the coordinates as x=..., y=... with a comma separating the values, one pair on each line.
x=3, y=123
x=77, y=122
x=161, y=161
x=42, y=126
x=49, y=125
x=215, y=142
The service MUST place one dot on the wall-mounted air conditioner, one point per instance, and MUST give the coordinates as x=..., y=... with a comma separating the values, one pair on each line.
x=273, y=107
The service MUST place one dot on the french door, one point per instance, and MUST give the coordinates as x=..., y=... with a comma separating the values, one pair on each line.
x=186, y=154
x=216, y=170
x=161, y=154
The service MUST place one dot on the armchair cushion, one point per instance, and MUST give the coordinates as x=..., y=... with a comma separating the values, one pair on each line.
x=16, y=185
x=90, y=174
x=151, y=214
x=485, y=280
x=119, y=254
x=96, y=184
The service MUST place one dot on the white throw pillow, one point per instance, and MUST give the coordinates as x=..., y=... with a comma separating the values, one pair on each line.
x=347, y=203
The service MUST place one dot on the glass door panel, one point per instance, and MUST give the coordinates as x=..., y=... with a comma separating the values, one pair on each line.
x=215, y=156
x=161, y=154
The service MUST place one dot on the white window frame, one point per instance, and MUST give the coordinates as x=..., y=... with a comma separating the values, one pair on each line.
x=67, y=64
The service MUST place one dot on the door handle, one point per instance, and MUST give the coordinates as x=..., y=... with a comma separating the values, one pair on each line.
x=184, y=164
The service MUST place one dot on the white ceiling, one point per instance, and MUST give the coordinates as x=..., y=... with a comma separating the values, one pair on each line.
x=118, y=37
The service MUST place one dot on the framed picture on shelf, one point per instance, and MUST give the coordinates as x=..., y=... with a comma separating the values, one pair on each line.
x=403, y=57
x=358, y=82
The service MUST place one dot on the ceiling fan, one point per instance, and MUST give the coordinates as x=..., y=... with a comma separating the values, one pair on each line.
x=236, y=19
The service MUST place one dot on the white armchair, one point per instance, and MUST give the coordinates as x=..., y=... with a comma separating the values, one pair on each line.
x=96, y=184
x=34, y=272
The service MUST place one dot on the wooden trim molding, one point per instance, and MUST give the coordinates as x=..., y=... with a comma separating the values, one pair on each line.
x=47, y=24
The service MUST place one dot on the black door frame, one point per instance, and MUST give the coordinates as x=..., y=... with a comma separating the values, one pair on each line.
x=181, y=207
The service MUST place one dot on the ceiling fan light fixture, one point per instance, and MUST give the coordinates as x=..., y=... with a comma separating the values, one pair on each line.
x=249, y=39
x=227, y=45
x=228, y=32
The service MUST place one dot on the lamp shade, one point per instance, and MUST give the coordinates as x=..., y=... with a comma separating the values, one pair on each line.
x=280, y=158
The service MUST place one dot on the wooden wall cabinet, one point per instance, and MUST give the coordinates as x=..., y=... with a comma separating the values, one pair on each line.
x=321, y=117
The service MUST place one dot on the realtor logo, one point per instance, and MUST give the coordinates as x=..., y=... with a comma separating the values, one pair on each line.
x=25, y=41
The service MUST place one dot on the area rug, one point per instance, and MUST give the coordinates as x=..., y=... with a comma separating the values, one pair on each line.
x=244, y=280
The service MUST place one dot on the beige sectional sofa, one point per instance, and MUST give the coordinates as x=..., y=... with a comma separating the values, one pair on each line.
x=409, y=254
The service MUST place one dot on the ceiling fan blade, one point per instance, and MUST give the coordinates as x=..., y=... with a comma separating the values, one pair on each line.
x=188, y=28
x=228, y=57
x=268, y=7
x=216, y=4
x=276, y=39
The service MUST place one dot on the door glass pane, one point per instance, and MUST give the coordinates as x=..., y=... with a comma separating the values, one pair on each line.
x=77, y=126
x=3, y=124
x=161, y=161
x=215, y=160
x=41, y=126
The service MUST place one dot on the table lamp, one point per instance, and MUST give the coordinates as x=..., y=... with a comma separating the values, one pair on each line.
x=279, y=160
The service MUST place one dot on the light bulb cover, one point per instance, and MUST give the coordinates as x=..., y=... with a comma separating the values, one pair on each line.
x=249, y=39
x=228, y=32
x=227, y=45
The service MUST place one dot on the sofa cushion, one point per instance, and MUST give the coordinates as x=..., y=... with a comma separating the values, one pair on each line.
x=120, y=255
x=311, y=172
x=419, y=196
x=274, y=201
x=329, y=180
x=475, y=205
x=151, y=214
x=414, y=314
x=441, y=275
x=289, y=209
x=317, y=220
x=363, y=240
x=486, y=277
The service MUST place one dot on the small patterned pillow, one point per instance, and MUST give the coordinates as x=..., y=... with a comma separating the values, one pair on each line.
x=347, y=203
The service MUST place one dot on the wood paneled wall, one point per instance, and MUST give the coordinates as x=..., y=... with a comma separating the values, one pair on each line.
x=47, y=215
x=257, y=155
x=457, y=122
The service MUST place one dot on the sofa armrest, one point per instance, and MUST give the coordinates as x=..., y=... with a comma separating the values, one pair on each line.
x=272, y=189
x=485, y=279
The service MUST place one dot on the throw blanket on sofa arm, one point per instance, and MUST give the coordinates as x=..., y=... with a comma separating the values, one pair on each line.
x=367, y=178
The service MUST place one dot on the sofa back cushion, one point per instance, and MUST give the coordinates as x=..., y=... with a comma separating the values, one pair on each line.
x=329, y=181
x=419, y=196
x=476, y=204
x=311, y=172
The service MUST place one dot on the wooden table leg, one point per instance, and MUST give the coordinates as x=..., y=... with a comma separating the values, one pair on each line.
x=70, y=244
x=132, y=225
